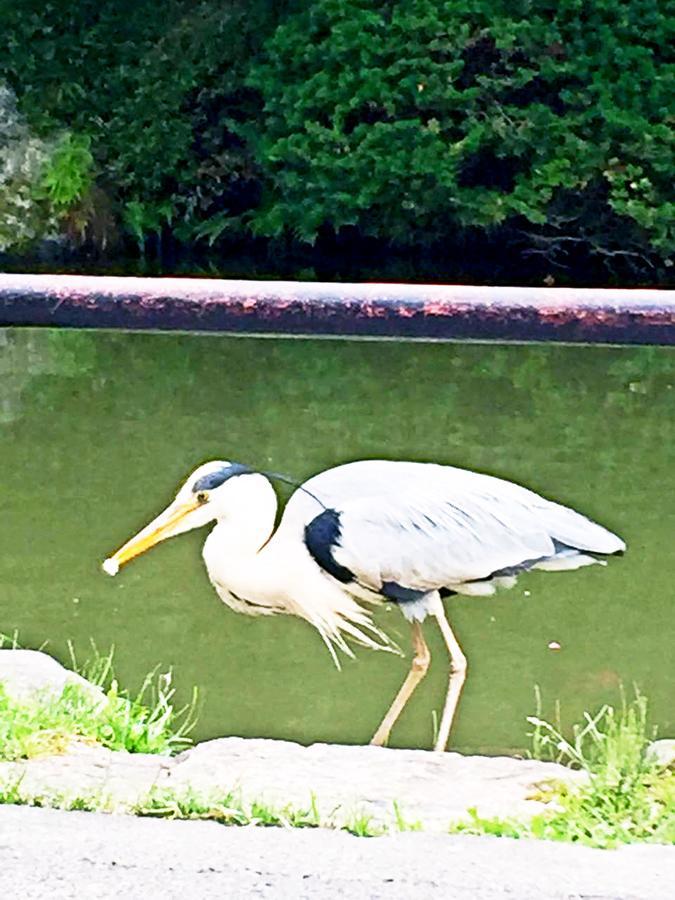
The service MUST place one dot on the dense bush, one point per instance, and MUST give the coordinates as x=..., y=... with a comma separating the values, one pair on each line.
x=416, y=122
x=156, y=87
x=405, y=119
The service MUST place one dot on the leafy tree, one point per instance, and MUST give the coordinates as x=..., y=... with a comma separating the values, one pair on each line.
x=156, y=86
x=539, y=125
x=409, y=119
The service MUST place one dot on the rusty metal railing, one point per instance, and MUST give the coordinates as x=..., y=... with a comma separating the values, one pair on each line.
x=406, y=311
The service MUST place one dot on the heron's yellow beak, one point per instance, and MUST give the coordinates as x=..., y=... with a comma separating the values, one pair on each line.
x=164, y=526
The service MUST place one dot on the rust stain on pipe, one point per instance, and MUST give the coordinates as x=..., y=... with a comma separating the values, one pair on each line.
x=439, y=312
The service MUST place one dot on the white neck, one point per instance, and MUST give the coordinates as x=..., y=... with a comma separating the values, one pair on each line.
x=232, y=552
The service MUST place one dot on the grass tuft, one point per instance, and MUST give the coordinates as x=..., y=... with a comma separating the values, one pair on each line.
x=11, y=793
x=47, y=722
x=403, y=824
x=230, y=809
x=362, y=824
x=227, y=808
x=493, y=825
x=628, y=798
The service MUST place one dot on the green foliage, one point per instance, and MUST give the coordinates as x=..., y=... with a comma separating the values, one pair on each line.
x=492, y=825
x=228, y=808
x=605, y=817
x=362, y=825
x=157, y=87
x=611, y=743
x=408, y=120
x=403, y=824
x=417, y=122
x=627, y=797
x=12, y=793
x=224, y=807
x=48, y=721
x=67, y=176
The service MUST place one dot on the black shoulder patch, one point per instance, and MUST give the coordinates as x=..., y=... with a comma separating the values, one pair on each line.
x=220, y=476
x=399, y=594
x=322, y=536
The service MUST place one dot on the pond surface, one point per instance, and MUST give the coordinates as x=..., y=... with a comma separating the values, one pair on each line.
x=97, y=430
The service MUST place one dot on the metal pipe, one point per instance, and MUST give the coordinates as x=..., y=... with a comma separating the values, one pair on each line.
x=405, y=311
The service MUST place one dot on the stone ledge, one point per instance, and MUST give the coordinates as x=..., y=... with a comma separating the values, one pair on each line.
x=343, y=781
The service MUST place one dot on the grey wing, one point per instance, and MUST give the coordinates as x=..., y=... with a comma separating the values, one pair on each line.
x=442, y=527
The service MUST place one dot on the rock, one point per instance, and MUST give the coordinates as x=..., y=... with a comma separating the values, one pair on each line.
x=25, y=672
x=344, y=781
x=113, y=780
x=663, y=752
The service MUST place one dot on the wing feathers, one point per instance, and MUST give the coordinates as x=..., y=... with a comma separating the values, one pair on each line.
x=422, y=527
x=424, y=543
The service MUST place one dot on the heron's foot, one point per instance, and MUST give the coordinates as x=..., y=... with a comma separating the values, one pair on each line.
x=380, y=738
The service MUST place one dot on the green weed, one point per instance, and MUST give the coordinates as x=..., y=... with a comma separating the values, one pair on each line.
x=403, y=824
x=68, y=173
x=11, y=793
x=230, y=809
x=47, y=721
x=363, y=825
x=493, y=825
x=628, y=798
x=227, y=808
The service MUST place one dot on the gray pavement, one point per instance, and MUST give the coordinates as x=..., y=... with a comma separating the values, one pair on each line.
x=52, y=855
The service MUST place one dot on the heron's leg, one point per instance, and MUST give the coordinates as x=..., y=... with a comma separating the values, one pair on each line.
x=458, y=668
x=418, y=669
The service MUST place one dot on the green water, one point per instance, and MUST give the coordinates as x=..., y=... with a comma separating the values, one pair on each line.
x=97, y=429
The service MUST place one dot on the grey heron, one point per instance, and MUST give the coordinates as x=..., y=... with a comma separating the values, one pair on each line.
x=369, y=532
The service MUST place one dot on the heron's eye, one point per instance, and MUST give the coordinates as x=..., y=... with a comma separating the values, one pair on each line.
x=202, y=497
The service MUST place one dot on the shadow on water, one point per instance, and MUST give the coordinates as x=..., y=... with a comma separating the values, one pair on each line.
x=97, y=429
